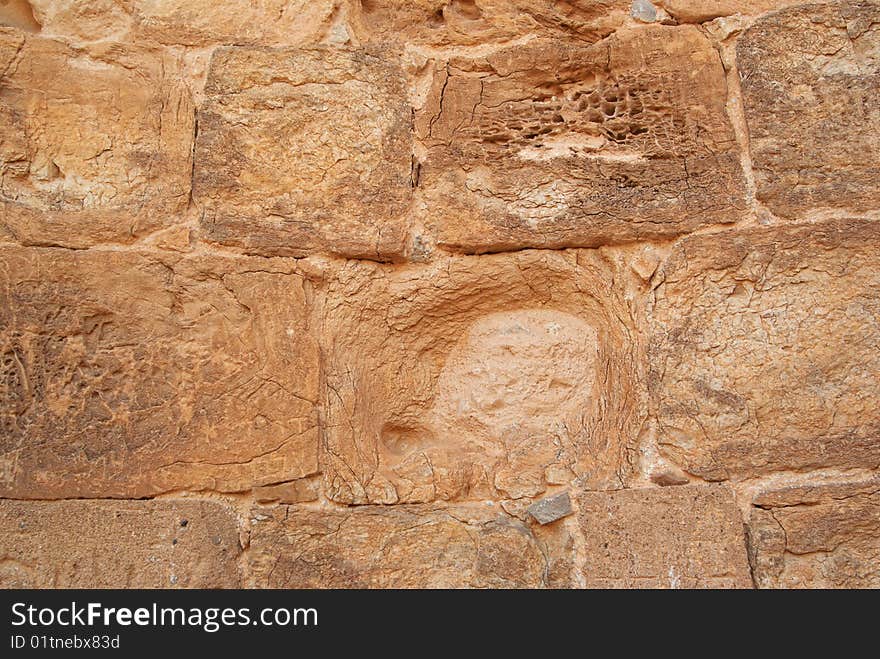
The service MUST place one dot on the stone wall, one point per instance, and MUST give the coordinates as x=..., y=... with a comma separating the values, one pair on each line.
x=459, y=293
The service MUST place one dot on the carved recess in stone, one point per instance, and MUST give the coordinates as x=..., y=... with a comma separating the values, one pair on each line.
x=477, y=377
x=765, y=350
x=817, y=536
x=811, y=90
x=304, y=149
x=97, y=141
x=553, y=144
x=127, y=374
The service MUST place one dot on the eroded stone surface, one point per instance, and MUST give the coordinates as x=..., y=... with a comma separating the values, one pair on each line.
x=478, y=377
x=765, y=350
x=118, y=544
x=552, y=143
x=445, y=23
x=474, y=546
x=97, y=141
x=129, y=373
x=304, y=149
x=811, y=90
x=817, y=536
x=699, y=11
x=672, y=537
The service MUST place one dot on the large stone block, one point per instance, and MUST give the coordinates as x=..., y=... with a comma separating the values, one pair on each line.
x=478, y=377
x=441, y=23
x=118, y=544
x=302, y=150
x=817, y=536
x=129, y=373
x=698, y=11
x=811, y=90
x=475, y=546
x=672, y=537
x=178, y=22
x=765, y=350
x=554, y=143
x=96, y=144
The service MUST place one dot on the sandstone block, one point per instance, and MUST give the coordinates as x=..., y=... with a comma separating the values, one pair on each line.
x=129, y=373
x=303, y=150
x=817, y=536
x=765, y=350
x=118, y=544
x=699, y=11
x=478, y=377
x=811, y=91
x=672, y=537
x=181, y=22
x=473, y=546
x=557, y=144
x=441, y=23
x=97, y=142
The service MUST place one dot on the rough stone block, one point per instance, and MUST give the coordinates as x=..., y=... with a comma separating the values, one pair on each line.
x=304, y=150
x=118, y=544
x=478, y=377
x=811, y=91
x=817, y=536
x=473, y=546
x=672, y=537
x=97, y=141
x=129, y=373
x=554, y=143
x=765, y=350
x=551, y=509
x=441, y=23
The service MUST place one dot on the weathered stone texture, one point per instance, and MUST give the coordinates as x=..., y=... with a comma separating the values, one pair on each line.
x=176, y=22
x=463, y=23
x=118, y=544
x=128, y=373
x=765, y=350
x=811, y=92
x=699, y=11
x=672, y=537
x=819, y=536
x=474, y=546
x=489, y=377
x=96, y=144
x=554, y=144
x=302, y=150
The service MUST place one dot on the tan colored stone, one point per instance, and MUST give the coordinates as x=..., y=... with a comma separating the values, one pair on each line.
x=672, y=537
x=128, y=373
x=475, y=546
x=302, y=150
x=818, y=536
x=118, y=544
x=297, y=491
x=811, y=92
x=556, y=144
x=239, y=22
x=187, y=22
x=765, y=350
x=96, y=144
x=444, y=23
x=478, y=377
x=699, y=11
x=18, y=14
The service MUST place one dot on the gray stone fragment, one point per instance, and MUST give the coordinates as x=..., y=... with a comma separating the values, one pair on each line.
x=550, y=509
x=643, y=10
